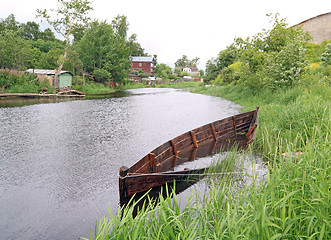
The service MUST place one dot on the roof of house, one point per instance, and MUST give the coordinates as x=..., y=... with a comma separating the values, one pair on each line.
x=142, y=59
x=45, y=71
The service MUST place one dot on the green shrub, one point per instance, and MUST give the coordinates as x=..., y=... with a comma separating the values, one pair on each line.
x=326, y=56
x=22, y=83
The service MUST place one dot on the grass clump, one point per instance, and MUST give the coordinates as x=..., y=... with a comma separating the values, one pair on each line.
x=181, y=85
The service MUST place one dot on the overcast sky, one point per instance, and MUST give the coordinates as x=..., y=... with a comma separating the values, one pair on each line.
x=196, y=28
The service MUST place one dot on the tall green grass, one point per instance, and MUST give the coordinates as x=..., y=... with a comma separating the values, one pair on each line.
x=181, y=85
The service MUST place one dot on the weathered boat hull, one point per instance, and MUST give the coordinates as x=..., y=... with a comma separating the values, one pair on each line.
x=157, y=167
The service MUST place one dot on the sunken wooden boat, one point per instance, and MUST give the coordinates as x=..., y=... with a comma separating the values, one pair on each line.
x=157, y=167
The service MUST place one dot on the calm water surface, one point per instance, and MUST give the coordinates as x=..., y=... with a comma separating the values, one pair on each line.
x=59, y=162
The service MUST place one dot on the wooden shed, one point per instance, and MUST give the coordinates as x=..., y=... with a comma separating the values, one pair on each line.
x=65, y=77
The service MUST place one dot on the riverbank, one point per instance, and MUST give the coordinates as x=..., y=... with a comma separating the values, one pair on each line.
x=295, y=199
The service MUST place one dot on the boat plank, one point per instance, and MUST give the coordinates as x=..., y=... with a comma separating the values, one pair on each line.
x=157, y=167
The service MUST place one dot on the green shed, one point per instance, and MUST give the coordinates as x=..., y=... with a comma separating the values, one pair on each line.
x=65, y=77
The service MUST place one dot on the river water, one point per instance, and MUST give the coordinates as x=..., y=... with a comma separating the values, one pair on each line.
x=59, y=161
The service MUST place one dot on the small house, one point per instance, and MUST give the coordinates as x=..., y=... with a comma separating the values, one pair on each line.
x=192, y=71
x=146, y=64
x=65, y=77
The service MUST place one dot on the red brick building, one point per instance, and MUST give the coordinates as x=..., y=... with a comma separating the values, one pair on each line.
x=146, y=64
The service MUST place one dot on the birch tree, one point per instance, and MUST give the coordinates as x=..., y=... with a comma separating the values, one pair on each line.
x=69, y=14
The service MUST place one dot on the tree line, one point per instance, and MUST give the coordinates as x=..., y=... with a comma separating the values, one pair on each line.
x=98, y=49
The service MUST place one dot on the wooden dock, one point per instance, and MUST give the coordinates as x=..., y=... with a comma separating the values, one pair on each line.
x=66, y=94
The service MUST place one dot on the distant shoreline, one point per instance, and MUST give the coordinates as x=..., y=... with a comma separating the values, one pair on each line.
x=36, y=95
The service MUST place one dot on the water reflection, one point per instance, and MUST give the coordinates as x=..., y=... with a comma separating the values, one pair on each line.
x=59, y=162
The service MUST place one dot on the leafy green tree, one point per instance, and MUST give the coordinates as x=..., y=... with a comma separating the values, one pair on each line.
x=9, y=23
x=50, y=59
x=186, y=62
x=286, y=66
x=135, y=47
x=15, y=52
x=30, y=31
x=69, y=14
x=211, y=70
x=48, y=35
x=104, y=46
x=46, y=46
x=95, y=45
x=227, y=57
x=163, y=71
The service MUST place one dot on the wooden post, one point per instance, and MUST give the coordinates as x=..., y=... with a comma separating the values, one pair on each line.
x=193, y=154
x=123, y=172
x=174, y=148
x=235, y=127
x=213, y=148
x=214, y=132
x=194, y=139
x=152, y=162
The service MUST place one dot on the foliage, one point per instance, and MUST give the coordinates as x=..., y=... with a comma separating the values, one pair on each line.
x=107, y=56
x=15, y=52
x=24, y=46
x=70, y=14
x=271, y=59
x=326, y=56
x=105, y=47
x=225, y=58
x=229, y=74
x=283, y=68
x=22, y=83
x=182, y=85
x=186, y=62
x=164, y=71
x=94, y=88
x=101, y=75
x=135, y=47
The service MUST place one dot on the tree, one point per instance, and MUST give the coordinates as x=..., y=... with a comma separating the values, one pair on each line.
x=227, y=57
x=182, y=62
x=105, y=47
x=186, y=62
x=9, y=23
x=163, y=71
x=135, y=47
x=70, y=13
x=211, y=70
x=16, y=52
x=30, y=31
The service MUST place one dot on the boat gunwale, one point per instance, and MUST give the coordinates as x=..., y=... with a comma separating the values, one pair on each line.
x=226, y=129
